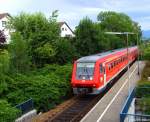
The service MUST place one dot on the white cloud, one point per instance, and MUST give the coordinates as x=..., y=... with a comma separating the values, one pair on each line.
x=13, y=6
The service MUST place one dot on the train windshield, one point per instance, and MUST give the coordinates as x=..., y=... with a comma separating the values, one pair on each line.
x=85, y=71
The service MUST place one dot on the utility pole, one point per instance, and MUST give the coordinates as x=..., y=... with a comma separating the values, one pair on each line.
x=138, y=54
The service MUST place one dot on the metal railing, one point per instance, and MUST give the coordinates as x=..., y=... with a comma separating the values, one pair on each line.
x=25, y=106
x=127, y=117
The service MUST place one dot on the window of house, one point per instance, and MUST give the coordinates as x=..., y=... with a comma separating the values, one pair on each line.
x=62, y=29
x=3, y=23
x=65, y=29
x=68, y=35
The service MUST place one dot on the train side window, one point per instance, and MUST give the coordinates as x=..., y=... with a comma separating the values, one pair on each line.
x=117, y=62
x=101, y=68
x=109, y=66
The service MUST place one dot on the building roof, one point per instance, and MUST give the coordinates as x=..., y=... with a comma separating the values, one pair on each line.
x=2, y=15
x=61, y=23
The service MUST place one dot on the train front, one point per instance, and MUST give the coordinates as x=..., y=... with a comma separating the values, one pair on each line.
x=83, y=78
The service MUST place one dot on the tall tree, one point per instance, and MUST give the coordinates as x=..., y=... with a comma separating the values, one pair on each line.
x=40, y=34
x=119, y=22
x=18, y=53
x=86, y=37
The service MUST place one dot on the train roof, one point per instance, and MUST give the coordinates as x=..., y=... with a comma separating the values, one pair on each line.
x=95, y=57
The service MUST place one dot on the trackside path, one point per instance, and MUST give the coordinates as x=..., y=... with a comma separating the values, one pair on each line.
x=109, y=107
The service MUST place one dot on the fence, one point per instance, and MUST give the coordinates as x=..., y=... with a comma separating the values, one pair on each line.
x=25, y=106
x=125, y=116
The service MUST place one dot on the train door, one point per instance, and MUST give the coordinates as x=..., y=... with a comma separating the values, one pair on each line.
x=104, y=68
x=103, y=73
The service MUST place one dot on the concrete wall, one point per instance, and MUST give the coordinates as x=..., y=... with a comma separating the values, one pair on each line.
x=27, y=117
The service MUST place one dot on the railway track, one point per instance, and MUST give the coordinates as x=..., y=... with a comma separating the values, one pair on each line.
x=76, y=108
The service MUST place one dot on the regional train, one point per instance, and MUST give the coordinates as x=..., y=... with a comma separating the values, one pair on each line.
x=91, y=74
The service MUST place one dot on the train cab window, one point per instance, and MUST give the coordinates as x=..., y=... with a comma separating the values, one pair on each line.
x=85, y=70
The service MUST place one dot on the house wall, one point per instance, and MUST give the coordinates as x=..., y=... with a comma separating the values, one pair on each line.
x=6, y=31
x=65, y=31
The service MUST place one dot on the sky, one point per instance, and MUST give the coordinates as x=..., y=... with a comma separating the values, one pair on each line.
x=72, y=11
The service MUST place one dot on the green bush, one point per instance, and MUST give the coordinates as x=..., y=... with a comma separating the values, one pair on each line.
x=4, y=67
x=146, y=52
x=144, y=103
x=65, y=51
x=143, y=90
x=7, y=112
x=146, y=71
x=18, y=53
x=140, y=91
x=47, y=86
x=4, y=61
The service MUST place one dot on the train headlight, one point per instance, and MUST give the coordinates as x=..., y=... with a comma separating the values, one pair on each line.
x=91, y=78
x=101, y=79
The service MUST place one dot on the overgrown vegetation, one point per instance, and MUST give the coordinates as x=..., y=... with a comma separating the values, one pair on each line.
x=38, y=62
x=143, y=89
x=7, y=113
x=48, y=86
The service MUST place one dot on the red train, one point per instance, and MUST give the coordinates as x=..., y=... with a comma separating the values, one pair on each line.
x=91, y=74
